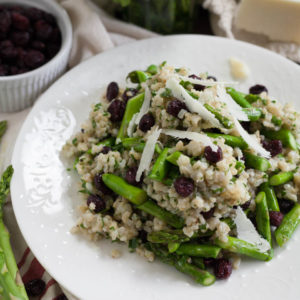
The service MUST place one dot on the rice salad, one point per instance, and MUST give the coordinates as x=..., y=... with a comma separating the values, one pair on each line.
x=186, y=169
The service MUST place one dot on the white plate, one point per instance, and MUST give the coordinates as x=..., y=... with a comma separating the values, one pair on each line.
x=44, y=194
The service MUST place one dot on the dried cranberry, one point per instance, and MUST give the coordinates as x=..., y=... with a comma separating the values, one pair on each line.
x=273, y=146
x=222, y=268
x=130, y=176
x=100, y=185
x=49, y=18
x=129, y=93
x=143, y=236
x=38, y=45
x=5, y=44
x=3, y=70
x=34, y=59
x=34, y=13
x=175, y=106
x=9, y=53
x=209, y=262
x=213, y=156
x=246, y=205
x=195, y=77
x=52, y=50
x=13, y=70
x=20, y=38
x=21, y=57
x=98, y=203
x=20, y=21
x=55, y=36
x=105, y=150
x=199, y=87
x=276, y=218
x=43, y=30
x=112, y=91
x=184, y=186
x=285, y=205
x=246, y=125
x=35, y=287
x=257, y=89
x=212, y=78
x=146, y=122
x=208, y=214
x=5, y=21
x=116, y=110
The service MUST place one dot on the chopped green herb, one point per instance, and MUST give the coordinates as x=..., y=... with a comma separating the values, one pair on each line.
x=94, y=123
x=276, y=121
x=132, y=245
x=167, y=93
x=74, y=141
x=97, y=106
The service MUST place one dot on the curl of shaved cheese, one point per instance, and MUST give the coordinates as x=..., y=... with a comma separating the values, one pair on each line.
x=147, y=153
x=205, y=82
x=250, y=140
x=131, y=124
x=233, y=107
x=247, y=232
x=193, y=105
x=181, y=113
x=193, y=136
x=146, y=104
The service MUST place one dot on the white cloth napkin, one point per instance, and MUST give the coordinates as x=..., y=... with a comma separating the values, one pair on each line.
x=94, y=32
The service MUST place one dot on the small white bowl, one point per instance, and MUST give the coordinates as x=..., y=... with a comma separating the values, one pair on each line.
x=20, y=91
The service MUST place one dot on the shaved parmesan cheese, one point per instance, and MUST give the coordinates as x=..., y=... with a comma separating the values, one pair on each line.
x=193, y=105
x=147, y=153
x=181, y=113
x=250, y=140
x=247, y=232
x=146, y=104
x=205, y=82
x=233, y=107
x=193, y=136
x=239, y=69
x=131, y=124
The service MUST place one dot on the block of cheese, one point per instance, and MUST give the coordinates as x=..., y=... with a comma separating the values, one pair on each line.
x=279, y=20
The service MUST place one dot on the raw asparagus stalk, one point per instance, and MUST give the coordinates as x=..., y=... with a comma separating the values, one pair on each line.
x=289, y=223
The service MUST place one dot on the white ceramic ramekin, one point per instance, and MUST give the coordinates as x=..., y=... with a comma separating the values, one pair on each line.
x=20, y=91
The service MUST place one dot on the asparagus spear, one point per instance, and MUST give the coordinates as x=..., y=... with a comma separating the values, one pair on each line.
x=10, y=282
x=262, y=217
x=180, y=263
x=192, y=249
x=289, y=223
x=153, y=209
x=3, y=126
x=160, y=168
x=238, y=97
x=284, y=135
x=133, y=106
x=132, y=193
x=162, y=237
x=139, y=197
x=271, y=196
x=230, y=140
x=281, y=178
x=227, y=123
x=172, y=158
x=256, y=162
x=137, y=144
x=236, y=245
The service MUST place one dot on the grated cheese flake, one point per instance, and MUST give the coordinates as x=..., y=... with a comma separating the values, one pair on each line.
x=247, y=232
x=206, y=82
x=233, y=107
x=250, y=140
x=193, y=136
x=131, y=124
x=147, y=153
x=146, y=104
x=193, y=105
